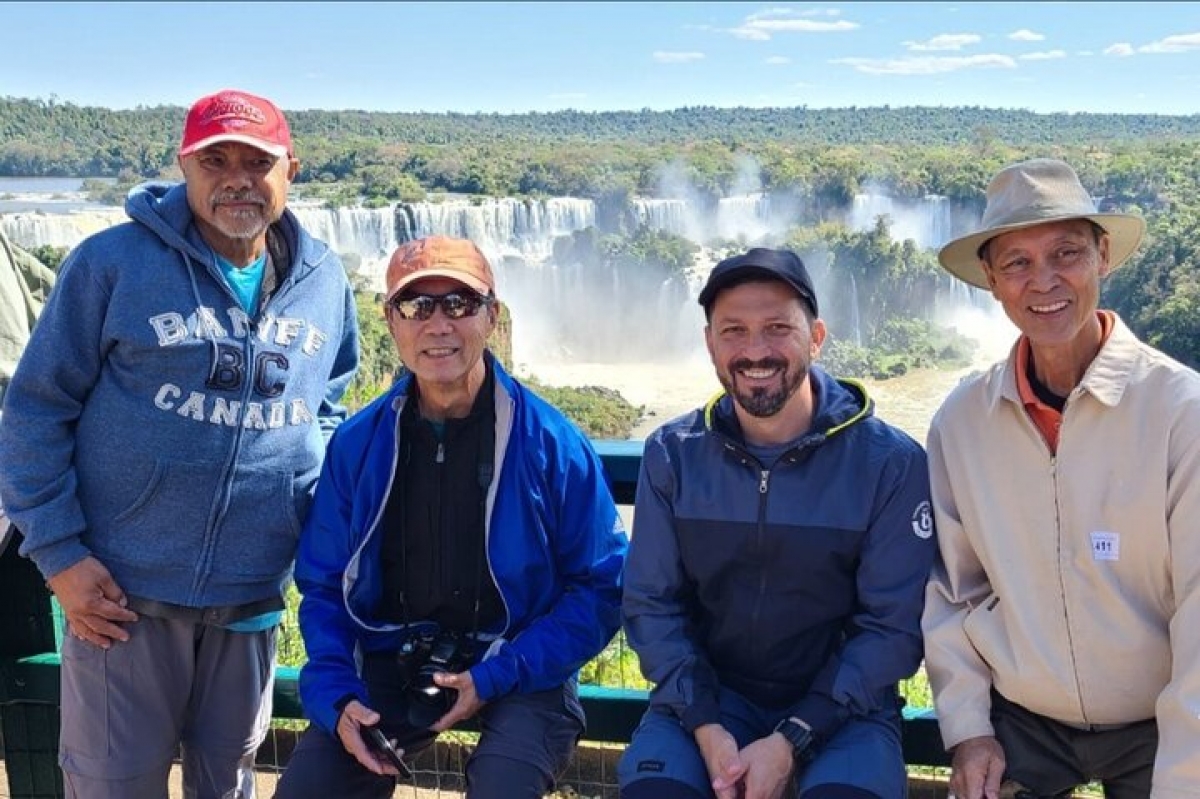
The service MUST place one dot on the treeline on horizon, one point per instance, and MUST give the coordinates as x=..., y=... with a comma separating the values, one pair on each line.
x=1149, y=164
x=830, y=154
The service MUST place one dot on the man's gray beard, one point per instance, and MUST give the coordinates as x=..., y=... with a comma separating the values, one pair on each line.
x=247, y=229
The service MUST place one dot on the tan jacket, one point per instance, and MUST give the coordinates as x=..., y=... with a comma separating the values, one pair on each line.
x=1072, y=583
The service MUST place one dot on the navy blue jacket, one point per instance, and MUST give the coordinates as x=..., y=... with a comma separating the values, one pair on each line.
x=800, y=586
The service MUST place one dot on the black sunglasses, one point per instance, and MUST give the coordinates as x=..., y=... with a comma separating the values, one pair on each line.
x=455, y=305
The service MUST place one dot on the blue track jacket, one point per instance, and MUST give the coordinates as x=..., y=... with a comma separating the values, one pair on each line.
x=799, y=587
x=156, y=425
x=555, y=549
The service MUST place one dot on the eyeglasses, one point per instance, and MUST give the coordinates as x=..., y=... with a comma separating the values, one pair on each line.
x=455, y=305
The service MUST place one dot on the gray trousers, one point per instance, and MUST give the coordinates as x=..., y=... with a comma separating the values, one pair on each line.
x=205, y=690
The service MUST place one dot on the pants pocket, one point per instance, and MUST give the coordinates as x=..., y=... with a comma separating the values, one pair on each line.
x=85, y=699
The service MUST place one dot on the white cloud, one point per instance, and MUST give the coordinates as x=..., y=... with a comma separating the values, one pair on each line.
x=1026, y=35
x=1120, y=49
x=945, y=41
x=762, y=25
x=670, y=57
x=1046, y=55
x=1179, y=43
x=926, y=65
x=776, y=60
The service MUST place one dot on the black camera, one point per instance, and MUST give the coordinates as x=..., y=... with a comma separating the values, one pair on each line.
x=424, y=657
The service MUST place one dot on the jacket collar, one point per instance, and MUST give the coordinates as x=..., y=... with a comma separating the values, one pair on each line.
x=839, y=404
x=1106, y=378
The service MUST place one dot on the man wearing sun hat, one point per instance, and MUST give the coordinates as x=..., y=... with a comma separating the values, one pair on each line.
x=1062, y=621
x=462, y=559
x=162, y=435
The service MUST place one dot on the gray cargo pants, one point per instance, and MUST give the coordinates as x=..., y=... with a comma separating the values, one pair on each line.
x=175, y=683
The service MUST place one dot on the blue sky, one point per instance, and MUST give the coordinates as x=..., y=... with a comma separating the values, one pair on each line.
x=508, y=57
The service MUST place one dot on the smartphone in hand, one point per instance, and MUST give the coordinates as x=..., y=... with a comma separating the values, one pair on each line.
x=379, y=743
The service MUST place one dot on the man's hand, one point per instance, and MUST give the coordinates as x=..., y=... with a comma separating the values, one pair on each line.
x=977, y=769
x=92, y=602
x=769, y=765
x=720, y=753
x=350, y=724
x=465, y=706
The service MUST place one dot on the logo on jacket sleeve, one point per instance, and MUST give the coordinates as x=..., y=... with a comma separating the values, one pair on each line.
x=922, y=520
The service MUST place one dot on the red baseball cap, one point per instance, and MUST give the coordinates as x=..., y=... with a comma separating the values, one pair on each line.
x=231, y=115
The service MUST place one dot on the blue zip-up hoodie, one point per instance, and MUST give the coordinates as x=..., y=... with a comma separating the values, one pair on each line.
x=555, y=549
x=800, y=586
x=153, y=424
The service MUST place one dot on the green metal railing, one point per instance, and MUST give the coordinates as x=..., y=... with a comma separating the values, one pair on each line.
x=31, y=634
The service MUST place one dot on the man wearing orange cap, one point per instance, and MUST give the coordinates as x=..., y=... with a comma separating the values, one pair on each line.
x=161, y=438
x=1062, y=622
x=462, y=559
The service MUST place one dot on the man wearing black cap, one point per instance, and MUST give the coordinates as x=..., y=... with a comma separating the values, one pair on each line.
x=774, y=583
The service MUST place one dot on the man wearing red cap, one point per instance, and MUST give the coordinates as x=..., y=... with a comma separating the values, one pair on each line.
x=162, y=436
x=462, y=559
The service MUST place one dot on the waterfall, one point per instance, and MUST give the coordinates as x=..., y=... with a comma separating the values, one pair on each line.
x=638, y=315
x=855, y=321
x=368, y=232
x=36, y=229
x=501, y=226
x=747, y=218
x=671, y=215
x=930, y=221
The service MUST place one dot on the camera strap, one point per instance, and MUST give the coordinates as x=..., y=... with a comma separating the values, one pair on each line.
x=486, y=470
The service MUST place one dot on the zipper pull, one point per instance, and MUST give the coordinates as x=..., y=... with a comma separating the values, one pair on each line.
x=762, y=483
x=441, y=453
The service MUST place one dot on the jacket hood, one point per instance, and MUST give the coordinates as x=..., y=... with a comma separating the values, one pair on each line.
x=163, y=207
x=839, y=404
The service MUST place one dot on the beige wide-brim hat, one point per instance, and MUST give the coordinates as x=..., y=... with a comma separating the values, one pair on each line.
x=1034, y=193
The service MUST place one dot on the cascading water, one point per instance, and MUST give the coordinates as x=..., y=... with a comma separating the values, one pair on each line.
x=563, y=310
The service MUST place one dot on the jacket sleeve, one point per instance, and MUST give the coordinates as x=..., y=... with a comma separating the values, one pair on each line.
x=326, y=546
x=587, y=542
x=655, y=607
x=885, y=645
x=61, y=363
x=332, y=412
x=1176, y=765
x=959, y=678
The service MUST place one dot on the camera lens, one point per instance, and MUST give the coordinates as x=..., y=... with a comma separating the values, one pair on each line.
x=428, y=702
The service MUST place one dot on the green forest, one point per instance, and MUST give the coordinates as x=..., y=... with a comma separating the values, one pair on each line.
x=1148, y=164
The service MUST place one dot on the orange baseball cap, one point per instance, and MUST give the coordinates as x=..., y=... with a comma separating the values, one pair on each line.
x=440, y=256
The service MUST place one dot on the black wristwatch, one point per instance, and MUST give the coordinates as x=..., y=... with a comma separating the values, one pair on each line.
x=800, y=736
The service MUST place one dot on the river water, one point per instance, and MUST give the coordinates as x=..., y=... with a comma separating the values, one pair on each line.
x=667, y=390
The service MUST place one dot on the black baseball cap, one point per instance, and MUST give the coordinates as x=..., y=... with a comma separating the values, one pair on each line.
x=764, y=263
